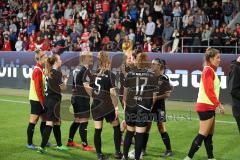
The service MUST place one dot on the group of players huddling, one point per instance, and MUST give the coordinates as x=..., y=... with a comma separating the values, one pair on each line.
x=142, y=93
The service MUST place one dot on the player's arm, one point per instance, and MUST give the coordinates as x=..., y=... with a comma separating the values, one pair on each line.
x=88, y=88
x=114, y=98
x=63, y=85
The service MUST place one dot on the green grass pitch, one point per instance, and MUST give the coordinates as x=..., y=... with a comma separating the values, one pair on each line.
x=182, y=126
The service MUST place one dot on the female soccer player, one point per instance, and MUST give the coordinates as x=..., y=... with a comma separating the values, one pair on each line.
x=81, y=102
x=207, y=102
x=234, y=79
x=105, y=104
x=52, y=100
x=140, y=86
x=158, y=112
x=36, y=94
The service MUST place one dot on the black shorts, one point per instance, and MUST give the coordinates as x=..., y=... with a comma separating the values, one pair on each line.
x=206, y=115
x=81, y=107
x=158, y=115
x=137, y=118
x=52, y=106
x=37, y=108
x=109, y=117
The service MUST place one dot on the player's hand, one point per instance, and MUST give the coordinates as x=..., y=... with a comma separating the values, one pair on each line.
x=221, y=109
x=65, y=78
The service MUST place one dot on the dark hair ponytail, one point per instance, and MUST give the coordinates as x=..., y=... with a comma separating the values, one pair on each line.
x=49, y=64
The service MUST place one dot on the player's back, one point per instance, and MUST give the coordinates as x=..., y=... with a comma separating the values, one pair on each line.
x=141, y=84
x=101, y=84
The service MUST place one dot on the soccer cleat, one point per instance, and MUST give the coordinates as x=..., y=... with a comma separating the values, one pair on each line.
x=88, y=148
x=50, y=144
x=212, y=159
x=101, y=157
x=167, y=154
x=131, y=154
x=118, y=155
x=187, y=158
x=74, y=144
x=31, y=146
x=123, y=158
x=41, y=150
x=62, y=148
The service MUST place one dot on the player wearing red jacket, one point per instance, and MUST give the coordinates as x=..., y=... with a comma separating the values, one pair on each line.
x=208, y=100
x=36, y=94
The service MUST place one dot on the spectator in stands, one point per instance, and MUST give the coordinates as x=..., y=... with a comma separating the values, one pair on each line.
x=158, y=10
x=95, y=39
x=159, y=32
x=127, y=45
x=148, y=45
x=19, y=45
x=132, y=36
x=216, y=13
x=142, y=12
x=117, y=43
x=186, y=18
x=228, y=11
x=46, y=44
x=139, y=38
x=176, y=37
x=133, y=13
x=31, y=27
x=177, y=15
x=216, y=38
x=206, y=35
x=68, y=44
x=167, y=36
x=238, y=28
x=106, y=10
x=167, y=11
x=197, y=40
x=68, y=12
x=150, y=27
x=7, y=44
x=74, y=36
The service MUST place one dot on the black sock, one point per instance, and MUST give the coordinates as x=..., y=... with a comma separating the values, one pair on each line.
x=209, y=146
x=117, y=138
x=72, y=131
x=42, y=127
x=237, y=118
x=138, y=144
x=97, y=140
x=83, y=133
x=166, y=141
x=46, y=135
x=57, y=134
x=30, y=131
x=196, y=144
x=145, y=141
x=127, y=143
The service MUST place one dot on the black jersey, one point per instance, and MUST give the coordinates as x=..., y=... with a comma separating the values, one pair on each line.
x=163, y=86
x=141, y=85
x=81, y=75
x=122, y=78
x=53, y=84
x=101, y=84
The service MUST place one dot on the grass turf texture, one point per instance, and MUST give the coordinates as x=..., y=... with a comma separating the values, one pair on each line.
x=182, y=127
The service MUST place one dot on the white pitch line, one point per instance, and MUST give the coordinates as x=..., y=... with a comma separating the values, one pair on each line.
x=7, y=100
x=218, y=121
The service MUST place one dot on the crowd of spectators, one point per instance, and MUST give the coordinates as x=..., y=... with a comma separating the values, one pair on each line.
x=117, y=25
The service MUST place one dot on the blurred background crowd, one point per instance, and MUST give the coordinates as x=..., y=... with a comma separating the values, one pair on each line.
x=118, y=25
